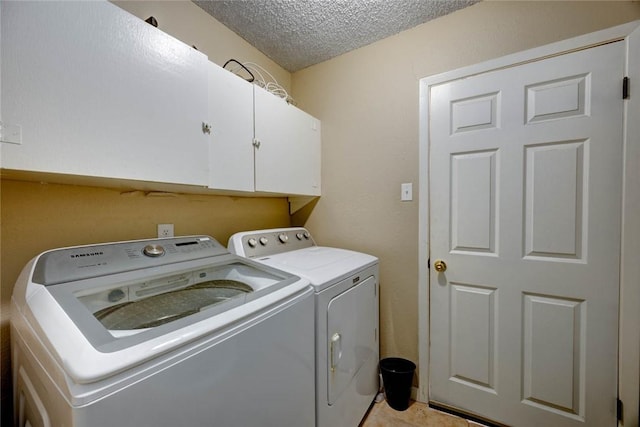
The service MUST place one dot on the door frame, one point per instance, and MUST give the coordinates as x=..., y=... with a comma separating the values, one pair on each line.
x=629, y=314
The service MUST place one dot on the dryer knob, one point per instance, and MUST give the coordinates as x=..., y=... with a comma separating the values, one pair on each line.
x=283, y=238
x=306, y=235
x=264, y=241
x=153, y=251
x=299, y=236
x=252, y=242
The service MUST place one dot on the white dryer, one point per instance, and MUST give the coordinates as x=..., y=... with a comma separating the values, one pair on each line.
x=160, y=333
x=346, y=316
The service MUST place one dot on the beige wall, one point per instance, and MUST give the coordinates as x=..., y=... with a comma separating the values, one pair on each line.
x=36, y=217
x=368, y=103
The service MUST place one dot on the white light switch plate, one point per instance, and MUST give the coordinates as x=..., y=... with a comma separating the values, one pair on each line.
x=406, y=192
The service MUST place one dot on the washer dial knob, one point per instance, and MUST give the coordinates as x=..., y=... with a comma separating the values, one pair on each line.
x=306, y=235
x=299, y=236
x=264, y=241
x=153, y=250
x=283, y=238
x=252, y=242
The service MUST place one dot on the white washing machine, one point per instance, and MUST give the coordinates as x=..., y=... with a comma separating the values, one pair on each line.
x=161, y=333
x=346, y=316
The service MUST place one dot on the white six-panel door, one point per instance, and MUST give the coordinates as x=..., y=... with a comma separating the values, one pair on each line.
x=525, y=199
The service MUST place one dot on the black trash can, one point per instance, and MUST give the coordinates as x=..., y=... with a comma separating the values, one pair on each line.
x=397, y=378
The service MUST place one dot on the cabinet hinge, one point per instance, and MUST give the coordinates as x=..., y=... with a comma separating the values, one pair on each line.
x=428, y=263
x=619, y=409
x=625, y=88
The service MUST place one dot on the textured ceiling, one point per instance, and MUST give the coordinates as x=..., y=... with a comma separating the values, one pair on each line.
x=299, y=33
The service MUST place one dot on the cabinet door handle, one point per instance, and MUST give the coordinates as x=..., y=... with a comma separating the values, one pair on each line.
x=206, y=128
x=256, y=143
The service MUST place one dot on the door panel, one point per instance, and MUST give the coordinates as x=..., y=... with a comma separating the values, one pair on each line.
x=525, y=201
x=351, y=332
x=473, y=330
x=554, y=331
x=473, y=202
x=561, y=98
x=554, y=188
x=477, y=112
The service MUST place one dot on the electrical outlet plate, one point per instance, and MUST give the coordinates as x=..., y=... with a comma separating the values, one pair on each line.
x=165, y=230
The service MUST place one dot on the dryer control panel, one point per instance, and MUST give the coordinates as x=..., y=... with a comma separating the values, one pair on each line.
x=257, y=244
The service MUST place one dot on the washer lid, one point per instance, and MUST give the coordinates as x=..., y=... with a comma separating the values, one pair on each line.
x=321, y=265
x=154, y=302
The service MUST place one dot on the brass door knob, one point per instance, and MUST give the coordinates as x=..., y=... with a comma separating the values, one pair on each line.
x=440, y=266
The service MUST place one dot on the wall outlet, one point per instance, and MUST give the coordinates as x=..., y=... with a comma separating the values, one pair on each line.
x=165, y=230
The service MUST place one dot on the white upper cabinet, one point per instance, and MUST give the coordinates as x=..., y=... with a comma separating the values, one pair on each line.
x=287, y=153
x=231, y=120
x=259, y=142
x=90, y=90
x=97, y=92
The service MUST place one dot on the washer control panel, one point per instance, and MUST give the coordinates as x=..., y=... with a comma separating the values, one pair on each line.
x=82, y=262
x=258, y=244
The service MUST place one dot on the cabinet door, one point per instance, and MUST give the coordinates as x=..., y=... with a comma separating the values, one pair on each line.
x=231, y=119
x=98, y=92
x=288, y=158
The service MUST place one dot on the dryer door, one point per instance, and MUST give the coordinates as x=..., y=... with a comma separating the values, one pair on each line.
x=351, y=336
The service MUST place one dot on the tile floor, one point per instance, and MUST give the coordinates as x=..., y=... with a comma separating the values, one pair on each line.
x=417, y=415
